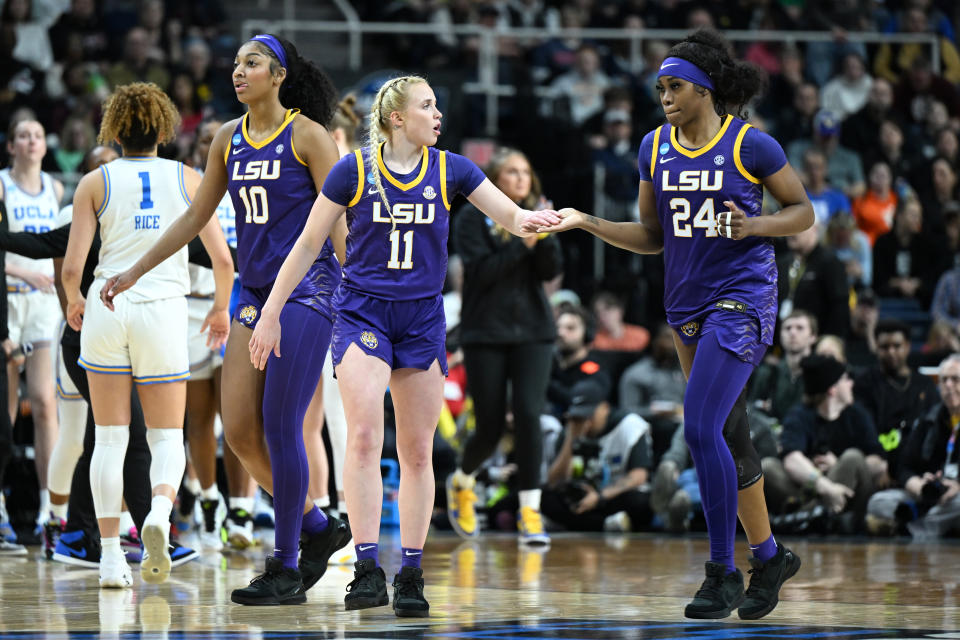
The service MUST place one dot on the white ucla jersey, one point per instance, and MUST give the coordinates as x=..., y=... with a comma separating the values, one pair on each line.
x=202, y=282
x=34, y=213
x=142, y=198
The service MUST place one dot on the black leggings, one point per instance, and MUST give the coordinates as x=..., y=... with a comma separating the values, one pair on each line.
x=136, y=465
x=489, y=368
x=6, y=429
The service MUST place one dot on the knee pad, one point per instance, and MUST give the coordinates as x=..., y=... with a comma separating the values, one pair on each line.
x=736, y=431
x=168, y=458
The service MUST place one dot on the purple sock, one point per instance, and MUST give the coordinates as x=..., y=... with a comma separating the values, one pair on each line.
x=314, y=521
x=765, y=550
x=288, y=388
x=410, y=557
x=368, y=551
x=716, y=380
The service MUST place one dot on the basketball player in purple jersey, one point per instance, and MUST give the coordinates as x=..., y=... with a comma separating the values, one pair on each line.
x=273, y=160
x=701, y=188
x=390, y=327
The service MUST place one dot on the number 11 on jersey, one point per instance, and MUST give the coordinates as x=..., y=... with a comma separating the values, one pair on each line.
x=395, y=242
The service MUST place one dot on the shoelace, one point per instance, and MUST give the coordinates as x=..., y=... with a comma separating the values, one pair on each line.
x=711, y=586
x=362, y=580
x=412, y=587
x=756, y=578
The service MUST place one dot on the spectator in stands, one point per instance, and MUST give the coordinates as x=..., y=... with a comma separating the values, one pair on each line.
x=164, y=36
x=775, y=387
x=904, y=162
x=929, y=500
x=79, y=24
x=604, y=460
x=829, y=444
x=942, y=340
x=136, y=65
x=583, y=86
x=860, y=129
x=847, y=92
x=812, y=278
x=77, y=137
x=797, y=121
x=674, y=491
x=617, y=99
x=852, y=248
x=919, y=87
x=839, y=18
x=861, y=345
x=831, y=346
x=903, y=264
x=32, y=42
x=653, y=387
x=613, y=334
x=874, y=210
x=946, y=296
x=573, y=360
x=947, y=146
x=944, y=189
x=894, y=61
x=827, y=200
x=618, y=157
x=893, y=393
x=844, y=169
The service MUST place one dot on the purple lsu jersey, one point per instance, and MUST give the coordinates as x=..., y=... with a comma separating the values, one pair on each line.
x=272, y=192
x=690, y=186
x=402, y=256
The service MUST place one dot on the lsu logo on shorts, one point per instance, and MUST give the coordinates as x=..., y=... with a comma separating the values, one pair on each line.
x=248, y=314
x=691, y=328
x=368, y=339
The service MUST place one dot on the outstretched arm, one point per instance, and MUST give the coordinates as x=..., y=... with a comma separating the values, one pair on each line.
x=645, y=236
x=518, y=221
x=88, y=195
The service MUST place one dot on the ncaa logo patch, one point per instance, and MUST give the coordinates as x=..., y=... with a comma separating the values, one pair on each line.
x=429, y=193
x=664, y=148
x=369, y=340
x=371, y=179
x=718, y=160
x=236, y=138
x=690, y=329
x=279, y=149
x=248, y=314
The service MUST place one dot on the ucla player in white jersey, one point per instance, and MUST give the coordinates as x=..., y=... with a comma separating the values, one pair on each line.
x=141, y=336
x=32, y=199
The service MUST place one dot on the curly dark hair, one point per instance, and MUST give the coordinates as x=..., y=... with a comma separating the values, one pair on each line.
x=140, y=115
x=735, y=82
x=306, y=87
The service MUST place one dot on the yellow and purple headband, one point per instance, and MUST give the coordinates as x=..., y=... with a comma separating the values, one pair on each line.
x=686, y=70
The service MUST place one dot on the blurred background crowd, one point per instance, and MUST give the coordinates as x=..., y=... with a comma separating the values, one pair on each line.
x=871, y=124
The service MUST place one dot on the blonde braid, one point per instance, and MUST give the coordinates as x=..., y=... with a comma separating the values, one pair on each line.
x=391, y=97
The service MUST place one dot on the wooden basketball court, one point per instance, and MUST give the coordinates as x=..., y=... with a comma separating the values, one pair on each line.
x=584, y=586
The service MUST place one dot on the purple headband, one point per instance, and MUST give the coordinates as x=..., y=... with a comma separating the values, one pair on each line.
x=274, y=45
x=680, y=68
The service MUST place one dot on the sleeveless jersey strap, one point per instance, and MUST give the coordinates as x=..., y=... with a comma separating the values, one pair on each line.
x=653, y=154
x=443, y=179
x=736, y=154
x=181, y=179
x=358, y=154
x=106, y=190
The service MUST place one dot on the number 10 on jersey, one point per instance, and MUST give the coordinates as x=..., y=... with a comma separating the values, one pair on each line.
x=255, y=203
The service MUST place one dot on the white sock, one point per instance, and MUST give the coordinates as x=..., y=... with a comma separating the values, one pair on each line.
x=192, y=485
x=242, y=503
x=210, y=493
x=463, y=480
x=106, y=475
x=322, y=503
x=110, y=547
x=126, y=522
x=59, y=510
x=162, y=506
x=530, y=498
x=168, y=459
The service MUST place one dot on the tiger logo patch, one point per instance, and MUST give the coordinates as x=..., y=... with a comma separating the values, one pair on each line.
x=248, y=314
x=369, y=340
x=690, y=329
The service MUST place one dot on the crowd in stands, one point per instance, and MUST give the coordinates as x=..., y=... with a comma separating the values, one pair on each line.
x=855, y=409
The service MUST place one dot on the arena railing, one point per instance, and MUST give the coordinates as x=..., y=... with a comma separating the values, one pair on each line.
x=488, y=83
